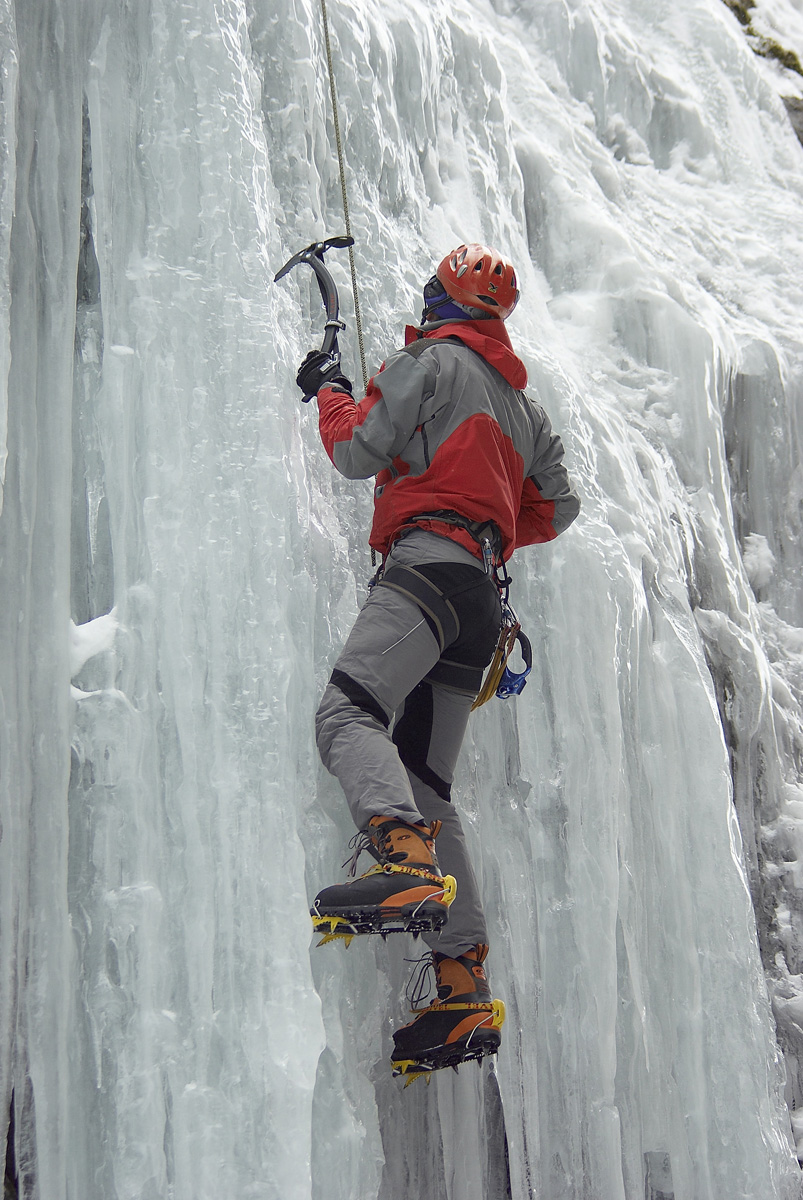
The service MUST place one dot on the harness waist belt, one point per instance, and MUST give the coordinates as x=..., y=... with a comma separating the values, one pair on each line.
x=479, y=530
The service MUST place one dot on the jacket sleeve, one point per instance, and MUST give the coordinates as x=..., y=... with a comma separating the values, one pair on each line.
x=549, y=504
x=363, y=439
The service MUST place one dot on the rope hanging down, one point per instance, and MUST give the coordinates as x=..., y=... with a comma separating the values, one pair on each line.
x=341, y=164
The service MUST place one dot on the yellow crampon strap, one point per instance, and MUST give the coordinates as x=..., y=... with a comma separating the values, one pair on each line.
x=496, y=1011
x=449, y=882
x=493, y=676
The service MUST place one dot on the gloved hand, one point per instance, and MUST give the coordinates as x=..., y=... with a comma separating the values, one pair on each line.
x=319, y=370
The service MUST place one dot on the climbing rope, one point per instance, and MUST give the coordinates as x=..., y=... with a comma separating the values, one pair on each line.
x=341, y=164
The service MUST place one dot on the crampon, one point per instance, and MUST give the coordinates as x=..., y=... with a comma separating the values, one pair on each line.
x=463, y=1025
x=405, y=893
x=426, y=913
x=481, y=1040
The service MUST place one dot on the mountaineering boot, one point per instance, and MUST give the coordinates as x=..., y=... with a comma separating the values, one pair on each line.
x=463, y=1024
x=405, y=893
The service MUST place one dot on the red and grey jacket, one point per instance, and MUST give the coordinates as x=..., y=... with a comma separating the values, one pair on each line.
x=448, y=428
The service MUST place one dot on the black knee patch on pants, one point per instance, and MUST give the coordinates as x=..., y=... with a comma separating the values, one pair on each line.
x=358, y=696
x=412, y=735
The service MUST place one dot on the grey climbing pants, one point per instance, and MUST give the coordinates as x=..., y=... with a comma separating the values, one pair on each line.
x=393, y=716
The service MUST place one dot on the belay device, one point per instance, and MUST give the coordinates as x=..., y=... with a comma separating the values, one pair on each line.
x=313, y=257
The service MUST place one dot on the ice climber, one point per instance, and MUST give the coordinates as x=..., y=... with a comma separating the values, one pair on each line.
x=467, y=469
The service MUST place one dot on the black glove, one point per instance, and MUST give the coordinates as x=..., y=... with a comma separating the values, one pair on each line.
x=321, y=370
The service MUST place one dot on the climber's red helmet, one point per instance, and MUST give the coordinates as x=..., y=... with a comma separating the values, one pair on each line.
x=480, y=277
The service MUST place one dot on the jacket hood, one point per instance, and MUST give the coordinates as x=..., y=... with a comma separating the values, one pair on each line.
x=488, y=338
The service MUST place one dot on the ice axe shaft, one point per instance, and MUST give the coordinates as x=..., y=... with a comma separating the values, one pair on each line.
x=313, y=256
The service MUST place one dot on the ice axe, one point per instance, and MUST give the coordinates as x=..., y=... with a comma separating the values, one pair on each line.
x=313, y=256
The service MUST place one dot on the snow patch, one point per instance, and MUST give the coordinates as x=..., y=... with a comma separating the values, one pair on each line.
x=91, y=638
x=759, y=561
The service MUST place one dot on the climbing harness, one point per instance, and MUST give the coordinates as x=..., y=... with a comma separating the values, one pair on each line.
x=485, y=533
x=439, y=612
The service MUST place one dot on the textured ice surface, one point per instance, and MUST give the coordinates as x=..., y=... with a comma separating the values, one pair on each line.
x=637, y=815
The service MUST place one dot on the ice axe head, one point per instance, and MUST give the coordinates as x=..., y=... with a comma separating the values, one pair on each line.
x=315, y=250
x=312, y=255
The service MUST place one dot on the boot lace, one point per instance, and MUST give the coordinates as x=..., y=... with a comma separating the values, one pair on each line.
x=422, y=982
x=357, y=844
x=376, y=843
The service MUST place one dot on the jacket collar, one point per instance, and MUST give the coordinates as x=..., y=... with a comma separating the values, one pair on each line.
x=488, y=338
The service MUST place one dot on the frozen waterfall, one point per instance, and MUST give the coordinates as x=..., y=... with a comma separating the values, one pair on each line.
x=180, y=565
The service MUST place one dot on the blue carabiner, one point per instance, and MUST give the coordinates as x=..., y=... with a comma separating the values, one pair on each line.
x=512, y=682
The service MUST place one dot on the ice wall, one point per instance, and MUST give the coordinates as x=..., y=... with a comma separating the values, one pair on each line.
x=166, y=1028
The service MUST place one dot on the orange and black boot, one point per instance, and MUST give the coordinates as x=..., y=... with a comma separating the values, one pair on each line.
x=462, y=1025
x=405, y=893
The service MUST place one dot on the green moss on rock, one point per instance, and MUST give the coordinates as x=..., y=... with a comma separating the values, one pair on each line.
x=741, y=10
x=767, y=47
